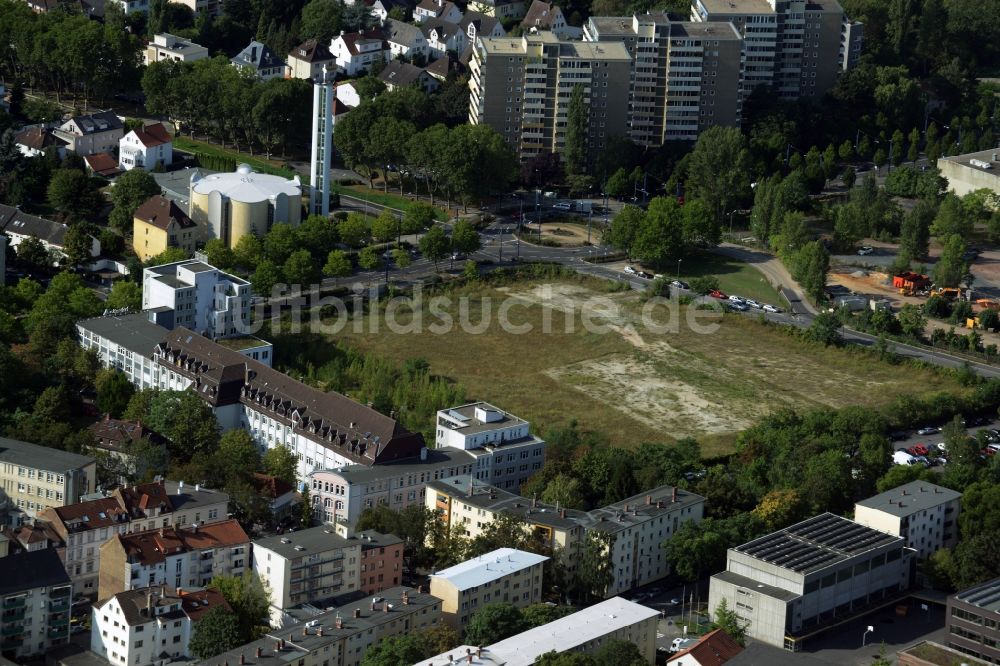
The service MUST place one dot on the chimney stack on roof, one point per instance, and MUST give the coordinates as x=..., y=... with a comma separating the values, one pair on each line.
x=649, y=500
x=673, y=495
x=243, y=658
x=406, y=598
x=385, y=606
x=339, y=623
x=357, y=611
x=259, y=651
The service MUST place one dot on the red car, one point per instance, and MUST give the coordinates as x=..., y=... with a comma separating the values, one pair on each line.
x=917, y=450
x=715, y=293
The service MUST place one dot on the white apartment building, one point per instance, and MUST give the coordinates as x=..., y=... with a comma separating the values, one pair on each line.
x=306, y=566
x=201, y=297
x=357, y=52
x=173, y=556
x=149, y=626
x=146, y=148
x=84, y=526
x=505, y=575
x=33, y=478
x=170, y=47
x=924, y=514
x=584, y=631
x=505, y=451
x=35, y=594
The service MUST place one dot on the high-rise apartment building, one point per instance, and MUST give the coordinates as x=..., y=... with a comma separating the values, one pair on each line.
x=521, y=87
x=796, y=46
x=686, y=76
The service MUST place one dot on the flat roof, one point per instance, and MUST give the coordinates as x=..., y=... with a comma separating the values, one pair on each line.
x=985, y=596
x=731, y=7
x=594, y=50
x=982, y=156
x=304, y=542
x=756, y=653
x=242, y=342
x=459, y=656
x=571, y=631
x=435, y=458
x=27, y=454
x=608, y=26
x=133, y=331
x=246, y=185
x=466, y=415
x=703, y=29
x=816, y=543
x=489, y=567
x=911, y=498
x=778, y=593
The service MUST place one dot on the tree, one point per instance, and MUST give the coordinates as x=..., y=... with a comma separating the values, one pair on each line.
x=219, y=254
x=397, y=650
x=618, y=652
x=300, y=268
x=718, y=170
x=369, y=258
x=624, y=228
x=125, y=294
x=321, y=20
x=661, y=234
x=565, y=491
x=114, y=390
x=237, y=458
x=914, y=235
x=899, y=475
x=265, y=277
x=249, y=250
x=464, y=238
x=780, y=508
x=131, y=190
x=951, y=218
x=536, y=615
x=419, y=216
x=217, y=632
x=553, y=658
x=493, y=623
x=951, y=267
x=31, y=253
x=385, y=227
x=911, y=321
x=248, y=596
x=730, y=622
x=71, y=193
x=354, y=230
x=595, y=570
x=305, y=507
x=575, y=149
x=809, y=267
x=338, y=264
x=186, y=420
x=401, y=257
x=78, y=243
x=825, y=329
x=280, y=242
x=281, y=463
x=435, y=245
x=704, y=284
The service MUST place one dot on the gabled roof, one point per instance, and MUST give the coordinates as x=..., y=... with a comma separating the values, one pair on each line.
x=102, y=121
x=311, y=51
x=160, y=211
x=352, y=39
x=89, y=515
x=397, y=73
x=121, y=431
x=143, y=605
x=445, y=29
x=541, y=14
x=38, y=138
x=398, y=32
x=153, y=546
x=152, y=135
x=484, y=24
x=14, y=222
x=257, y=56
x=103, y=164
x=439, y=68
x=715, y=648
x=271, y=486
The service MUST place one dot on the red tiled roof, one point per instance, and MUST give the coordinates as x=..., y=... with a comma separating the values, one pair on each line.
x=89, y=515
x=351, y=39
x=159, y=211
x=116, y=432
x=38, y=138
x=197, y=603
x=270, y=486
x=153, y=546
x=715, y=647
x=103, y=164
x=152, y=135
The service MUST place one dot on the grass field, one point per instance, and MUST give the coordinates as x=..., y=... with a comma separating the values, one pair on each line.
x=379, y=197
x=735, y=277
x=258, y=162
x=632, y=383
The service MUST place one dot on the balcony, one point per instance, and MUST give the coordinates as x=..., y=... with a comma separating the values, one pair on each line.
x=59, y=605
x=14, y=602
x=15, y=615
x=61, y=592
x=12, y=630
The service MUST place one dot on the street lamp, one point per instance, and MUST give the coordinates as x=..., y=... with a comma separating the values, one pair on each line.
x=735, y=210
x=864, y=637
x=678, y=269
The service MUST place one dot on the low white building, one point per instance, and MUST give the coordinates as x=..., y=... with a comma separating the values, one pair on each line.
x=171, y=47
x=505, y=575
x=149, y=626
x=924, y=514
x=437, y=9
x=146, y=148
x=405, y=40
x=357, y=52
x=201, y=297
x=306, y=566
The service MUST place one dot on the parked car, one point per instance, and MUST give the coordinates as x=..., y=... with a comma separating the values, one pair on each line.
x=903, y=458
x=917, y=450
x=733, y=298
x=563, y=205
x=898, y=435
x=679, y=284
x=942, y=447
x=629, y=270
x=738, y=306
x=752, y=303
x=644, y=275
x=929, y=430
x=772, y=308
x=715, y=293
x=865, y=250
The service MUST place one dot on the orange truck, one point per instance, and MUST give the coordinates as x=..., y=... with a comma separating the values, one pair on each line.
x=909, y=283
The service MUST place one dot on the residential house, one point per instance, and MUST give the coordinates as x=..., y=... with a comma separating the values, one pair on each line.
x=146, y=147
x=499, y=9
x=115, y=437
x=505, y=575
x=441, y=68
x=83, y=527
x=173, y=556
x=923, y=513
x=584, y=631
x=281, y=495
x=443, y=37
x=149, y=626
x=309, y=60
x=35, y=594
x=125, y=342
x=96, y=133
x=405, y=41
x=259, y=60
x=399, y=74
x=437, y=9
x=128, y=6
x=306, y=566
x=200, y=296
x=33, y=478
x=19, y=226
x=356, y=52
x=381, y=558
x=543, y=15
x=713, y=649
x=170, y=47
x=33, y=141
x=35, y=536
x=380, y=8
x=160, y=223
x=339, y=635
x=102, y=164
x=477, y=24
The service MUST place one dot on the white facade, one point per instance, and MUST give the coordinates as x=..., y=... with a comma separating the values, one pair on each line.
x=36, y=603
x=924, y=514
x=170, y=47
x=405, y=40
x=324, y=100
x=140, y=150
x=355, y=53
x=203, y=298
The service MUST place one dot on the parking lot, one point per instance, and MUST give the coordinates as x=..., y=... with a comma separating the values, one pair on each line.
x=910, y=439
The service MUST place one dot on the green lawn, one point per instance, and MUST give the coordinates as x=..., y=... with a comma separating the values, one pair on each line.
x=735, y=277
x=379, y=197
x=259, y=163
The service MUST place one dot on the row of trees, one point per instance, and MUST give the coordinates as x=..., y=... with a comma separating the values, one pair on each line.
x=665, y=231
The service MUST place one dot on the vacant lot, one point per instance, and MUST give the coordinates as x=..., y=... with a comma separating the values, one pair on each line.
x=626, y=380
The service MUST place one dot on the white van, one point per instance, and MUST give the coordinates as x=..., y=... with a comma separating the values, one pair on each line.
x=903, y=458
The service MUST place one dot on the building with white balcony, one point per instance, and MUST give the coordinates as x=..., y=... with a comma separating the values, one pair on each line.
x=924, y=514
x=199, y=296
x=170, y=47
x=358, y=52
x=35, y=598
x=149, y=626
x=147, y=148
